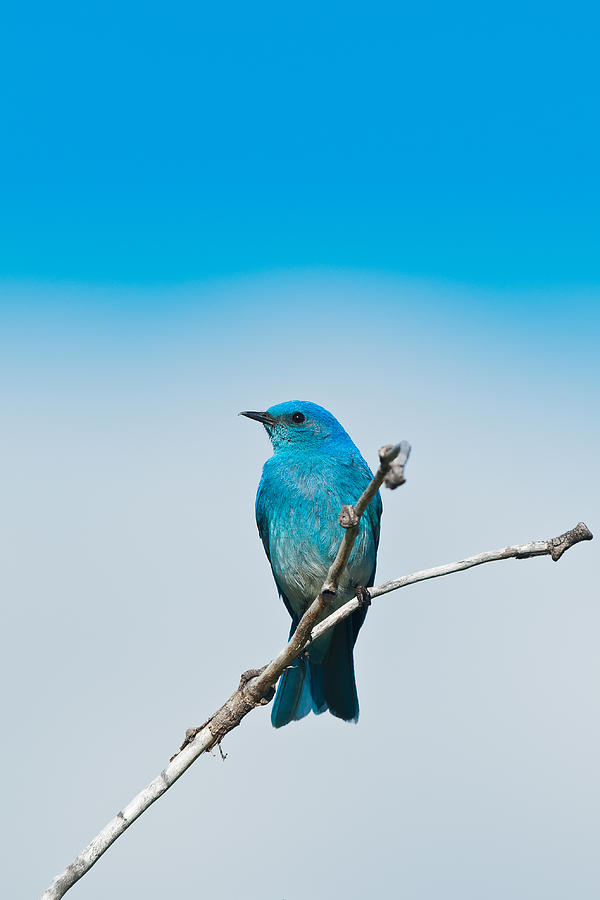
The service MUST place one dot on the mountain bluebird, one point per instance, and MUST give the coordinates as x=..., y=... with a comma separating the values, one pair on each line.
x=314, y=471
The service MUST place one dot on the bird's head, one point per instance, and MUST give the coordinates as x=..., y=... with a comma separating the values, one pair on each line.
x=298, y=425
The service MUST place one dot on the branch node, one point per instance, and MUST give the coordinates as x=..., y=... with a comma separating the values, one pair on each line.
x=328, y=593
x=558, y=545
x=348, y=517
x=190, y=734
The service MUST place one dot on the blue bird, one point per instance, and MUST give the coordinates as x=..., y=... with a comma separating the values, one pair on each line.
x=314, y=471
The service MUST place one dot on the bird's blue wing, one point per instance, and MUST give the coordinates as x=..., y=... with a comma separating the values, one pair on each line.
x=263, y=521
x=261, y=510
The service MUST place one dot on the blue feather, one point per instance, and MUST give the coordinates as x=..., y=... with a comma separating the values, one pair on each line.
x=315, y=470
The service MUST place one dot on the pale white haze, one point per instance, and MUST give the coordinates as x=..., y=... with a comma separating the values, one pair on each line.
x=135, y=591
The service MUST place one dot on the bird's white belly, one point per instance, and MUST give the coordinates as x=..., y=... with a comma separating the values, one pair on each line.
x=301, y=572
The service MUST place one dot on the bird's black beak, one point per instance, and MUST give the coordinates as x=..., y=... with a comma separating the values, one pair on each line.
x=263, y=417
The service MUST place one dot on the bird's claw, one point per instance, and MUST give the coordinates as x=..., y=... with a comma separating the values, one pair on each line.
x=363, y=595
x=245, y=677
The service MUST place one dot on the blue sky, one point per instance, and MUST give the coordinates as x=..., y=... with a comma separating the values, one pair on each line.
x=146, y=144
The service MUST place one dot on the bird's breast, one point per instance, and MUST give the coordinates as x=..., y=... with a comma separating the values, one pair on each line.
x=304, y=535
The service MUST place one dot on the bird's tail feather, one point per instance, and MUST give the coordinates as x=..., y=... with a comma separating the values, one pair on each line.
x=293, y=699
x=339, y=684
x=327, y=684
x=317, y=689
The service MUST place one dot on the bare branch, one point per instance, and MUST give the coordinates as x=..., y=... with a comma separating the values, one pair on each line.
x=554, y=547
x=256, y=686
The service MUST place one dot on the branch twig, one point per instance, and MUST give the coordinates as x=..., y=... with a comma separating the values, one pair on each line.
x=256, y=686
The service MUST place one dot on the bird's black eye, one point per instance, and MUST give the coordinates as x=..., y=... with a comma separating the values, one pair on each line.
x=298, y=418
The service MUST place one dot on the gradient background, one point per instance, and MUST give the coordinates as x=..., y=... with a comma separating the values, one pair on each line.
x=392, y=211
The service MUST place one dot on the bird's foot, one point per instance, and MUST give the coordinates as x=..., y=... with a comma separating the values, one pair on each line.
x=247, y=676
x=363, y=596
